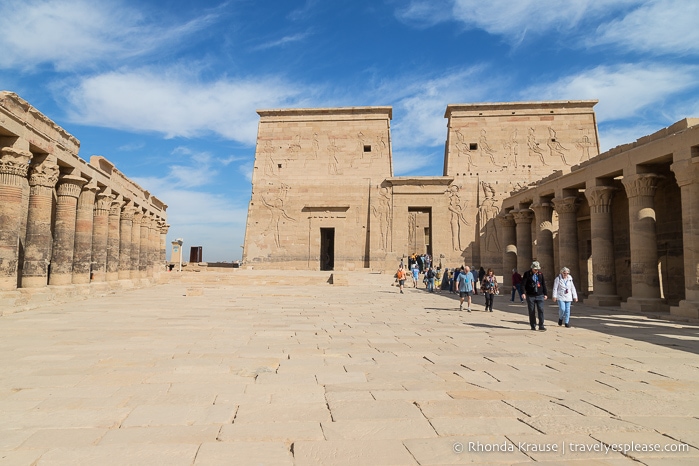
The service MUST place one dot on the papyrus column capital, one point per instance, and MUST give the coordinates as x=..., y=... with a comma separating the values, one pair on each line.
x=600, y=198
x=642, y=184
x=14, y=165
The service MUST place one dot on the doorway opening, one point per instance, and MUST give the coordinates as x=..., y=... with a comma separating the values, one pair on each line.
x=420, y=230
x=327, y=249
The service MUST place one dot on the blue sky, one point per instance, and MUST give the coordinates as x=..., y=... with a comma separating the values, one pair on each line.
x=167, y=90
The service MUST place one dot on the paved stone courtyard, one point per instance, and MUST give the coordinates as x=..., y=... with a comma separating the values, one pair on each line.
x=282, y=368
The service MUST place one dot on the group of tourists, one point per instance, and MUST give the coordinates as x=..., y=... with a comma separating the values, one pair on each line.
x=466, y=281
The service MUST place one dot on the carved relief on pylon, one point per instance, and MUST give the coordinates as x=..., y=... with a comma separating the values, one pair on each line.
x=333, y=163
x=270, y=165
x=274, y=201
x=535, y=149
x=485, y=148
x=555, y=146
x=511, y=147
x=382, y=210
x=584, y=143
x=457, y=207
x=487, y=212
x=463, y=149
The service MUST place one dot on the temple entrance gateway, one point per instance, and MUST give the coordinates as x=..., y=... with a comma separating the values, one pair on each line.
x=327, y=249
x=420, y=230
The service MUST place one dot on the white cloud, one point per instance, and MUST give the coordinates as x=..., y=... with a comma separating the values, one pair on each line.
x=613, y=136
x=662, y=26
x=300, y=37
x=623, y=90
x=511, y=19
x=69, y=34
x=175, y=103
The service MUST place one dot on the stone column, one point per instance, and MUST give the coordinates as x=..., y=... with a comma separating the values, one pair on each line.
x=143, y=251
x=100, y=233
x=603, y=269
x=687, y=175
x=509, y=248
x=544, y=240
x=82, y=254
x=153, y=246
x=523, y=219
x=125, y=229
x=645, y=283
x=113, y=240
x=37, y=247
x=69, y=188
x=14, y=165
x=136, y=243
x=163, y=242
x=568, y=254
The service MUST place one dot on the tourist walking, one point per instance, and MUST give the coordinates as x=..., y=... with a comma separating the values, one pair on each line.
x=465, y=286
x=455, y=280
x=564, y=292
x=489, y=286
x=430, y=276
x=400, y=275
x=516, y=286
x=416, y=273
x=535, y=293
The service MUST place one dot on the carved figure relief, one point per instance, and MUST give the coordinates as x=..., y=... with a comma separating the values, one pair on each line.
x=457, y=218
x=512, y=148
x=383, y=212
x=380, y=147
x=487, y=211
x=359, y=154
x=555, y=146
x=534, y=148
x=463, y=149
x=412, y=225
x=315, y=148
x=270, y=167
x=584, y=143
x=276, y=206
x=333, y=163
x=485, y=147
x=295, y=147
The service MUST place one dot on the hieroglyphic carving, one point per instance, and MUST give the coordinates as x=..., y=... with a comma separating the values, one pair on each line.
x=359, y=154
x=511, y=146
x=485, y=147
x=462, y=148
x=333, y=168
x=534, y=148
x=380, y=147
x=555, y=146
x=457, y=216
x=487, y=211
x=584, y=143
x=295, y=147
x=383, y=212
x=275, y=203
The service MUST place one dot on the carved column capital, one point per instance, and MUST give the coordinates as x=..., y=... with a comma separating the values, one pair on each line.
x=44, y=174
x=643, y=184
x=70, y=186
x=127, y=213
x=102, y=204
x=164, y=227
x=543, y=212
x=115, y=207
x=600, y=198
x=14, y=165
x=566, y=205
x=523, y=216
x=505, y=220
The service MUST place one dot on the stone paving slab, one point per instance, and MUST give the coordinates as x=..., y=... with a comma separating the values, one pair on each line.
x=318, y=374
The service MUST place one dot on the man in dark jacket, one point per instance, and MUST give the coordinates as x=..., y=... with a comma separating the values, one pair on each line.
x=535, y=293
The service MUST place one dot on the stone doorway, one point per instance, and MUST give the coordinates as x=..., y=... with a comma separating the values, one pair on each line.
x=327, y=249
x=420, y=230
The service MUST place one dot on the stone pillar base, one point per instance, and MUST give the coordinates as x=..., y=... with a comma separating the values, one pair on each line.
x=603, y=300
x=646, y=305
x=61, y=279
x=686, y=309
x=34, y=282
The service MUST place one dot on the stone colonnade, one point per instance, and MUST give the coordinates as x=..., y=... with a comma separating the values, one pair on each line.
x=64, y=221
x=650, y=181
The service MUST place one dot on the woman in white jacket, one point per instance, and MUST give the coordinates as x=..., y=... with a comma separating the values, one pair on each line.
x=564, y=292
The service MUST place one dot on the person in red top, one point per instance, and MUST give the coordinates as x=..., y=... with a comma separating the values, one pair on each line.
x=516, y=286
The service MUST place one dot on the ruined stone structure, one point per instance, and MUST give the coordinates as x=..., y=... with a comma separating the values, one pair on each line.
x=324, y=195
x=64, y=221
x=628, y=223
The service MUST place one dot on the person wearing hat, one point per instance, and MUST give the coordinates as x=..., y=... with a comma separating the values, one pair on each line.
x=535, y=293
